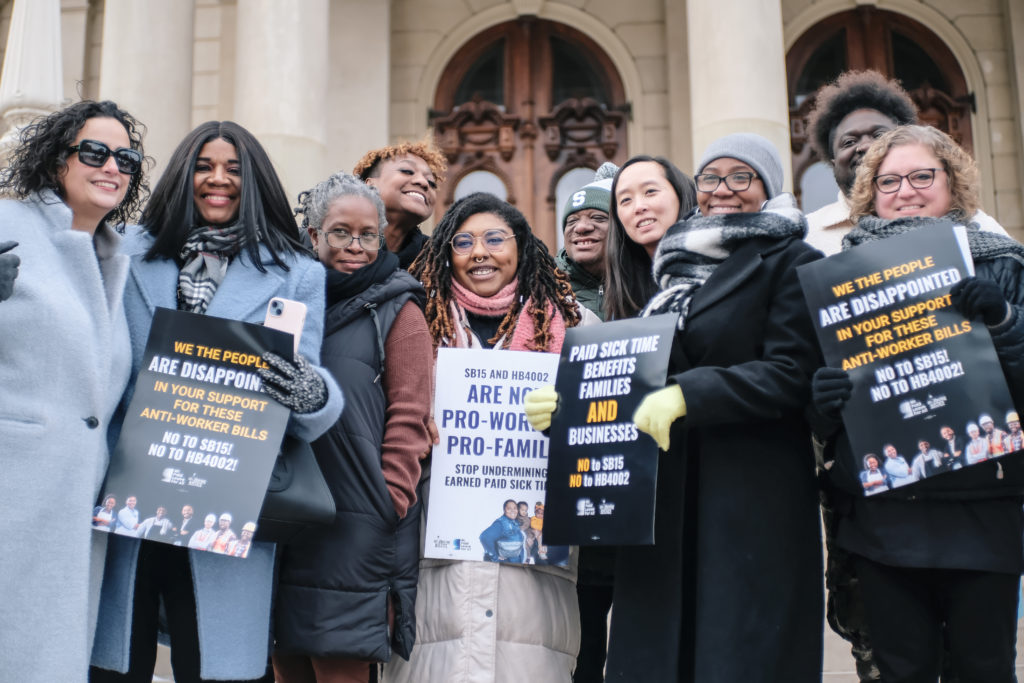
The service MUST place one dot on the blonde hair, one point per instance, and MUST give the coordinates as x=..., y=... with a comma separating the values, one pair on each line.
x=961, y=171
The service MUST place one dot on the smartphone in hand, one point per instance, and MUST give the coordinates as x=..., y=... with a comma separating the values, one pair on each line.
x=286, y=315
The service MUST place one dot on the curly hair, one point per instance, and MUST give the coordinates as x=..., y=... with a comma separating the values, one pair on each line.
x=855, y=90
x=540, y=280
x=263, y=208
x=629, y=283
x=41, y=156
x=369, y=165
x=961, y=171
x=316, y=202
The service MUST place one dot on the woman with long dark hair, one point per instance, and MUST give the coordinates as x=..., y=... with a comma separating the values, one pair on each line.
x=218, y=238
x=649, y=194
x=77, y=176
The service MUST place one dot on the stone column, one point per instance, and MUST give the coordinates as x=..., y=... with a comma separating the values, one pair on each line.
x=146, y=67
x=31, y=81
x=281, y=85
x=738, y=73
x=359, y=93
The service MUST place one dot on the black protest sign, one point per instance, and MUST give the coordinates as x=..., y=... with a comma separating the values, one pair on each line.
x=199, y=435
x=924, y=377
x=603, y=471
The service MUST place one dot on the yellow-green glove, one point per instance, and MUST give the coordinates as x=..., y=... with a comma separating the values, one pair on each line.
x=539, y=404
x=657, y=411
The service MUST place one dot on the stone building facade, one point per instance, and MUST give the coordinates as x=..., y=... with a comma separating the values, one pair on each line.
x=524, y=96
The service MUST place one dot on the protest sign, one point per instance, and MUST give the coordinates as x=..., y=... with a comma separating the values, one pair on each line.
x=487, y=473
x=928, y=389
x=199, y=437
x=603, y=472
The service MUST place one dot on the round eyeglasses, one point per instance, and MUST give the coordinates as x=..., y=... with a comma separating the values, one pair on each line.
x=494, y=240
x=95, y=153
x=921, y=179
x=340, y=239
x=737, y=182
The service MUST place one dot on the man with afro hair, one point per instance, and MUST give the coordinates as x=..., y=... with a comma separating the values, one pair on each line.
x=848, y=115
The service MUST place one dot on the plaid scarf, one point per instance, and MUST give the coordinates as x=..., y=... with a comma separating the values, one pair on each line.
x=984, y=245
x=691, y=250
x=206, y=255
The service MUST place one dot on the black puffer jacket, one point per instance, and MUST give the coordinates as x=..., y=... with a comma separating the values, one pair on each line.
x=336, y=582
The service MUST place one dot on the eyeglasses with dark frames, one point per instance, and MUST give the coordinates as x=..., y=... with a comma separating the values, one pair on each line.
x=494, y=241
x=921, y=179
x=95, y=153
x=737, y=182
x=340, y=239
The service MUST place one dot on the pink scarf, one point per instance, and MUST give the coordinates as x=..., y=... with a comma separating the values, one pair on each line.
x=498, y=305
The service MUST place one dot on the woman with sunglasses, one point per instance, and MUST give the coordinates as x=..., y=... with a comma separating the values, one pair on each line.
x=377, y=347
x=77, y=175
x=491, y=284
x=218, y=237
x=732, y=588
x=936, y=566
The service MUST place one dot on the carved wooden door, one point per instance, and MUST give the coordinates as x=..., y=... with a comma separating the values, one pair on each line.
x=527, y=110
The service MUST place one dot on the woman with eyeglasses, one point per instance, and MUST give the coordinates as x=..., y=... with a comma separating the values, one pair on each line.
x=217, y=238
x=732, y=588
x=937, y=566
x=77, y=175
x=491, y=284
x=377, y=347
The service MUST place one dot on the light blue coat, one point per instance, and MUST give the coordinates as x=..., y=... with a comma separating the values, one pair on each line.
x=233, y=597
x=63, y=366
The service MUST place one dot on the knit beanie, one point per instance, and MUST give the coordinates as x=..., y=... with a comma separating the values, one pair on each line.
x=595, y=195
x=753, y=150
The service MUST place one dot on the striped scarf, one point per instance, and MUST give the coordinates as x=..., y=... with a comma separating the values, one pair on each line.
x=206, y=255
x=984, y=245
x=691, y=250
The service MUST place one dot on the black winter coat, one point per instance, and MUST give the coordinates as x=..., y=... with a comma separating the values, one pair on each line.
x=977, y=522
x=336, y=582
x=732, y=590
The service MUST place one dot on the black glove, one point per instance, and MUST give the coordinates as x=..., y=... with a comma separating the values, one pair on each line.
x=830, y=390
x=983, y=299
x=295, y=385
x=8, y=269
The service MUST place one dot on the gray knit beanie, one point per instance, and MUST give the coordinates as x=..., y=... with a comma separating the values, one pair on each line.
x=594, y=195
x=753, y=150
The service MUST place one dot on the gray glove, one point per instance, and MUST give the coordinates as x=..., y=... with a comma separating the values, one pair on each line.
x=8, y=269
x=294, y=385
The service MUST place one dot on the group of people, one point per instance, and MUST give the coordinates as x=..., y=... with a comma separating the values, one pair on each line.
x=892, y=471
x=747, y=412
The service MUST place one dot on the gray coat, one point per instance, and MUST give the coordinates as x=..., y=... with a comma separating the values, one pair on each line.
x=64, y=362
x=233, y=596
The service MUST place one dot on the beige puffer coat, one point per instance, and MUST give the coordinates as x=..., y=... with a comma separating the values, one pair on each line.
x=484, y=622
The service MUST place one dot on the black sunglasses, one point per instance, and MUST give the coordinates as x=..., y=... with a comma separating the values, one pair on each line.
x=95, y=153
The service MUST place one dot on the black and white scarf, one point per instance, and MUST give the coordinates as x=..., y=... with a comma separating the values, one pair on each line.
x=206, y=255
x=984, y=245
x=691, y=250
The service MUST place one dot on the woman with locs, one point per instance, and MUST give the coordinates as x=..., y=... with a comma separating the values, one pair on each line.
x=491, y=284
x=217, y=238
